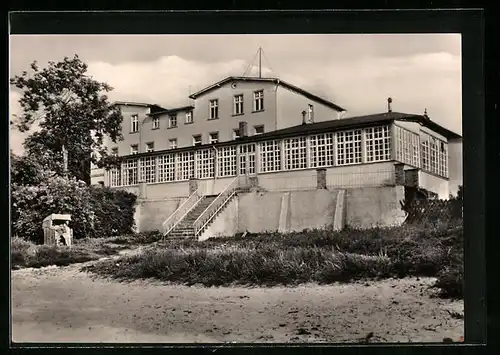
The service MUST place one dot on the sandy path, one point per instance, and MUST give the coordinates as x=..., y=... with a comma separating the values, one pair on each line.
x=66, y=305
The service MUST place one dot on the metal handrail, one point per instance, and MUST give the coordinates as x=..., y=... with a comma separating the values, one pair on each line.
x=177, y=211
x=233, y=191
x=205, y=212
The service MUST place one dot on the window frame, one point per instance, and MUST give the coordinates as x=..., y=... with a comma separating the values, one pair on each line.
x=148, y=149
x=238, y=104
x=171, y=119
x=255, y=129
x=170, y=141
x=134, y=123
x=215, y=107
x=194, y=140
x=258, y=97
x=134, y=151
x=189, y=114
x=213, y=141
x=155, y=122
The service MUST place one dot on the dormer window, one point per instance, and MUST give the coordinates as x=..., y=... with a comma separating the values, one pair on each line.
x=197, y=139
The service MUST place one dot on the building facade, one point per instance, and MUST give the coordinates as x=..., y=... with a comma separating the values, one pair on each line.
x=271, y=135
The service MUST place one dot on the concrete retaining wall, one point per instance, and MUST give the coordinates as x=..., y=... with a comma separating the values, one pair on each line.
x=374, y=206
x=150, y=214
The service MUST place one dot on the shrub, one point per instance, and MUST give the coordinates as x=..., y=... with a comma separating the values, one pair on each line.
x=95, y=212
x=450, y=282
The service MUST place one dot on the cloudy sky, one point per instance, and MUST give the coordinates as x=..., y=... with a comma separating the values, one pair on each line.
x=357, y=72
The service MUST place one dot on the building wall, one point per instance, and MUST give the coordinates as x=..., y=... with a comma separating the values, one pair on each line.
x=367, y=207
x=227, y=121
x=291, y=104
x=259, y=211
x=225, y=224
x=368, y=174
x=161, y=136
x=410, y=126
x=129, y=137
x=151, y=213
x=455, y=164
x=434, y=183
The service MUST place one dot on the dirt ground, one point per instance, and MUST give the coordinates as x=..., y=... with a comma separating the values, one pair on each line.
x=65, y=305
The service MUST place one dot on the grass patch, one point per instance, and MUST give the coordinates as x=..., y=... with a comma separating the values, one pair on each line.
x=27, y=254
x=321, y=256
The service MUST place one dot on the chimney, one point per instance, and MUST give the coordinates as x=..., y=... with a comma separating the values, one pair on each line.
x=243, y=129
x=389, y=101
x=304, y=113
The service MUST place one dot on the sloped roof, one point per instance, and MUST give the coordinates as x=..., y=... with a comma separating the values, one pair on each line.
x=355, y=122
x=327, y=126
x=153, y=107
x=171, y=110
x=277, y=81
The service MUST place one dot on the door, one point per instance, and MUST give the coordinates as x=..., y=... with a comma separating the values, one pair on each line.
x=246, y=164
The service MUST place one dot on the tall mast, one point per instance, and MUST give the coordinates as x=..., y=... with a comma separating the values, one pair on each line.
x=260, y=62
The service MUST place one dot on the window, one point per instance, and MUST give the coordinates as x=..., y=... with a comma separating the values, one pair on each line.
x=166, y=167
x=349, y=147
x=443, y=159
x=130, y=172
x=172, y=121
x=172, y=143
x=114, y=152
x=214, y=137
x=156, y=122
x=189, y=117
x=134, y=149
x=197, y=140
x=150, y=147
x=321, y=150
x=185, y=166
x=134, y=123
x=226, y=161
x=114, y=177
x=295, y=153
x=214, y=109
x=205, y=163
x=433, y=155
x=247, y=159
x=236, y=133
x=270, y=156
x=425, y=154
x=407, y=147
x=148, y=169
x=238, y=105
x=259, y=129
x=258, y=100
x=378, y=144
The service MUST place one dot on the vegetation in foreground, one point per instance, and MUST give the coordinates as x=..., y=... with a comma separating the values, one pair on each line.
x=27, y=254
x=321, y=256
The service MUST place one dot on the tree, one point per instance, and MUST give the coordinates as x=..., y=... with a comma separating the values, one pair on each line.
x=73, y=112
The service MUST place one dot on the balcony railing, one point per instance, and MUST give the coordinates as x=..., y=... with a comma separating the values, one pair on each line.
x=175, y=218
x=217, y=204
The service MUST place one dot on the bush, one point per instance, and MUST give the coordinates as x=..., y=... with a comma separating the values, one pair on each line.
x=321, y=256
x=95, y=212
x=450, y=282
x=26, y=254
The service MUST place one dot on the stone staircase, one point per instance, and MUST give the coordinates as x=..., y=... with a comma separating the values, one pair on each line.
x=185, y=228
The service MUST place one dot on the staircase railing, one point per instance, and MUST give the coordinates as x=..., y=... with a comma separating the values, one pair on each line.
x=176, y=217
x=217, y=204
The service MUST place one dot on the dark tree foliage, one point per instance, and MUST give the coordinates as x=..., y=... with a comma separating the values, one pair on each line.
x=73, y=111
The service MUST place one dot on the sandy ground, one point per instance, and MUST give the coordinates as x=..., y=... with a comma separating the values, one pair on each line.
x=65, y=305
